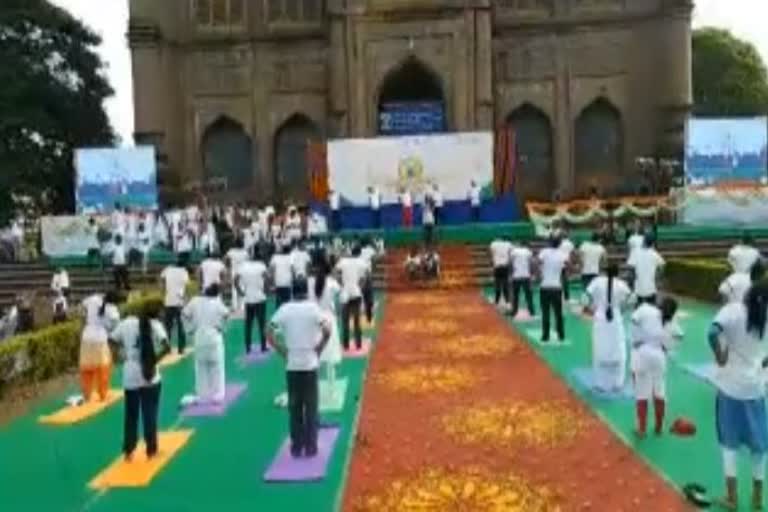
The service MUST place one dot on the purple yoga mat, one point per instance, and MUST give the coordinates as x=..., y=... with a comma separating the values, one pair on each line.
x=285, y=468
x=255, y=357
x=232, y=393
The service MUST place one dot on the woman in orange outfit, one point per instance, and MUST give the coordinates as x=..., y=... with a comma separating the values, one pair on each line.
x=101, y=316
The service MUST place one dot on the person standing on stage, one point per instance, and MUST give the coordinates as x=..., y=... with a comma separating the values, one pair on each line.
x=552, y=263
x=406, y=202
x=281, y=270
x=352, y=271
x=437, y=202
x=251, y=283
x=374, y=203
x=428, y=221
x=305, y=332
x=501, y=255
x=645, y=264
x=522, y=257
x=175, y=279
x=474, y=200
x=334, y=202
x=591, y=253
x=743, y=255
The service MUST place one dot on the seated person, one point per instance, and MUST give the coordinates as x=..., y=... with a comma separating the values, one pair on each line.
x=431, y=264
x=413, y=264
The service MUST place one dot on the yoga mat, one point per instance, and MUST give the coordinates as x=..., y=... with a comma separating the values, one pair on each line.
x=584, y=377
x=329, y=402
x=354, y=353
x=285, y=468
x=174, y=357
x=77, y=413
x=523, y=316
x=232, y=393
x=254, y=358
x=364, y=324
x=140, y=471
x=705, y=371
x=534, y=334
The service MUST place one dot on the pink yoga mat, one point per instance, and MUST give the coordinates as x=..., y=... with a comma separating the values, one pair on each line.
x=285, y=468
x=255, y=357
x=232, y=393
x=354, y=353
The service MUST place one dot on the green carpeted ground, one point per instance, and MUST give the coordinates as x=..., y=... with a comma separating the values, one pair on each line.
x=46, y=468
x=678, y=460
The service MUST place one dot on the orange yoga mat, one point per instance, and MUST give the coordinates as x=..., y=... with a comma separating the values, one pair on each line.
x=77, y=413
x=365, y=324
x=173, y=358
x=140, y=471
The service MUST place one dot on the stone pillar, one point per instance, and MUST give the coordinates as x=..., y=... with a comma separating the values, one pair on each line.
x=563, y=126
x=483, y=70
x=339, y=85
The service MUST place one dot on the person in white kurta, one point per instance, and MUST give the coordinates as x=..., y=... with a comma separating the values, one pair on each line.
x=743, y=255
x=206, y=317
x=325, y=290
x=607, y=294
x=236, y=256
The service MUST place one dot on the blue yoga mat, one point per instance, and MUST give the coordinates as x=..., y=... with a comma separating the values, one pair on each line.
x=584, y=378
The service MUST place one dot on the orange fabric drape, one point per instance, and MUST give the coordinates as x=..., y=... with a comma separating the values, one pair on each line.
x=505, y=159
x=318, y=170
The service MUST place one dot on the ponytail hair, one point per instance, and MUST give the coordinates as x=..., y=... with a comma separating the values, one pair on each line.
x=613, y=272
x=756, y=303
x=147, y=355
x=108, y=298
x=320, y=277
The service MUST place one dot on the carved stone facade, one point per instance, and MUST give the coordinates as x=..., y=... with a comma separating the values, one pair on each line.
x=618, y=70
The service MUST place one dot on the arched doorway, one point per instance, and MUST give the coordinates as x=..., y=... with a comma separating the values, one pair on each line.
x=599, y=149
x=535, y=175
x=411, y=101
x=227, y=154
x=291, y=165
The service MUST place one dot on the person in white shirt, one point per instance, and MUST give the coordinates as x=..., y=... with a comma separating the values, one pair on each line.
x=406, y=202
x=352, y=271
x=474, y=200
x=607, y=295
x=60, y=309
x=236, y=256
x=412, y=264
x=212, y=271
x=300, y=261
x=567, y=247
x=334, y=202
x=592, y=253
x=428, y=221
x=374, y=202
x=94, y=244
x=522, y=258
x=281, y=270
x=653, y=334
x=206, y=316
x=251, y=283
x=293, y=226
x=324, y=290
x=430, y=264
x=144, y=242
x=144, y=343
x=209, y=241
x=174, y=280
x=646, y=264
x=184, y=241
x=552, y=264
x=316, y=225
x=734, y=288
x=305, y=331
x=743, y=255
x=635, y=242
x=60, y=282
x=737, y=339
x=501, y=258
x=101, y=316
x=437, y=200
x=120, y=264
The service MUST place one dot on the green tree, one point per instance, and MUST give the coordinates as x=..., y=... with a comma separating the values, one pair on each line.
x=52, y=90
x=729, y=76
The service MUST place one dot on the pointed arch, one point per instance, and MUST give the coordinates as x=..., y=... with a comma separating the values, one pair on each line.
x=411, y=86
x=291, y=158
x=227, y=152
x=599, y=147
x=535, y=170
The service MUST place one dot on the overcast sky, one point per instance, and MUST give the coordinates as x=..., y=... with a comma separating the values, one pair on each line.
x=746, y=18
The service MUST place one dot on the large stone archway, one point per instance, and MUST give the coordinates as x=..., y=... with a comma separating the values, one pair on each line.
x=535, y=171
x=599, y=149
x=290, y=158
x=227, y=154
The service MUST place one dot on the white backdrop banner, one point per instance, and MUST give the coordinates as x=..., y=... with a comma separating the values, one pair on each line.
x=412, y=162
x=713, y=207
x=66, y=236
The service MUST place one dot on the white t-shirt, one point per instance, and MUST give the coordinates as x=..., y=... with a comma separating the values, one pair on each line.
x=176, y=280
x=118, y=255
x=501, y=252
x=742, y=258
x=374, y=199
x=206, y=313
x=437, y=197
x=253, y=276
x=236, y=258
x=567, y=247
x=428, y=216
x=406, y=200
x=368, y=253
x=552, y=263
x=331, y=290
x=212, y=271
x=60, y=281
x=184, y=242
x=646, y=262
x=300, y=260
x=300, y=323
x=127, y=335
x=735, y=287
x=352, y=271
x=282, y=270
x=521, y=262
x=97, y=326
x=333, y=199
x=591, y=255
x=742, y=376
x=635, y=243
x=474, y=195
x=598, y=292
x=646, y=325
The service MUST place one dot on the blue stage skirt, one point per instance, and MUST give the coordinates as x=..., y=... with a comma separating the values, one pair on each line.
x=742, y=423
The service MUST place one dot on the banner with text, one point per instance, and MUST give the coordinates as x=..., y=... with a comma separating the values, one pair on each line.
x=412, y=162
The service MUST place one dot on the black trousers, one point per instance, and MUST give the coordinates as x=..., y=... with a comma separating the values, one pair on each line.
x=368, y=302
x=258, y=311
x=351, y=310
x=429, y=233
x=282, y=295
x=566, y=285
x=145, y=401
x=376, y=217
x=303, y=411
x=586, y=279
x=475, y=214
x=525, y=286
x=171, y=317
x=501, y=283
x=647, y=299
x=121, y=279
x=438, y=215
x=336, y=220
x=551, y=301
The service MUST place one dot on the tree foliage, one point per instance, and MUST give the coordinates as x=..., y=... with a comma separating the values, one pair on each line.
x=729, y=76
x=52, y=90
